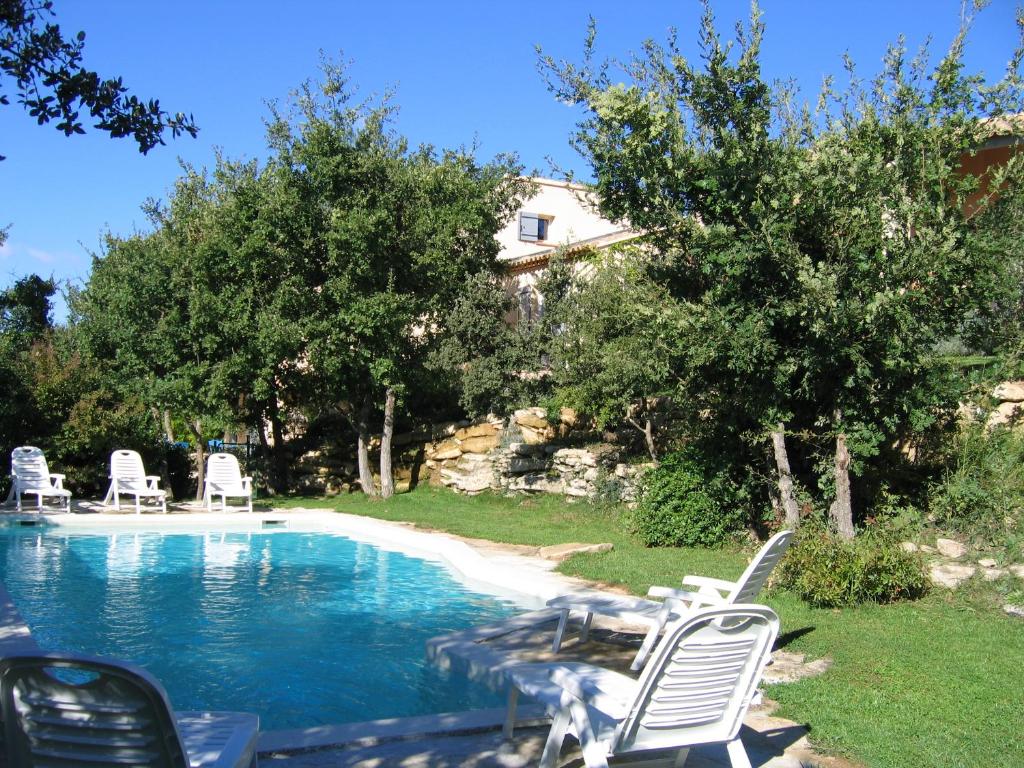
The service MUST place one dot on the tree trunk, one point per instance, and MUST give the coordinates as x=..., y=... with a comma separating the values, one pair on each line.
x=280, y=458
x=168, y=427
x=363, y=450
x=387, y=477
x=196, y=428
x=648, y=432
x=841, y=511
x=789, y=506
x=261, y=433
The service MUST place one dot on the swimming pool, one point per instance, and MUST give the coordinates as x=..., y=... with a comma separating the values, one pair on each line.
x=303, y=628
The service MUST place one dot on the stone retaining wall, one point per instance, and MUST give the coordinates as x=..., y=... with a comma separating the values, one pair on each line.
x=528, y=455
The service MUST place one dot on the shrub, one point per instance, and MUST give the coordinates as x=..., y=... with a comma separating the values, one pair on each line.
x=681, y=506
x=982, y=491
x=831, y=572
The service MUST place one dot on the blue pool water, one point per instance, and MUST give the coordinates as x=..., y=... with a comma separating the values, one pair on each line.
x=302, y=628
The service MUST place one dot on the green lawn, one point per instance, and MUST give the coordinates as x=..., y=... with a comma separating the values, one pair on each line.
x=938, y=682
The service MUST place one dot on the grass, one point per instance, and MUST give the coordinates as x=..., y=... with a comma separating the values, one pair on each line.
x=937, y=682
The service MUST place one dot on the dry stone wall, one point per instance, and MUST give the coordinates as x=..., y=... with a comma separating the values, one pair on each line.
x=528, y=455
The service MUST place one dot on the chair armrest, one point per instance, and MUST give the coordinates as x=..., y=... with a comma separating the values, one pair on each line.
x=247, y=482
x=689, y=599
x=705, y=582
x=58, y=479
x=589, y=692
x=152, y=481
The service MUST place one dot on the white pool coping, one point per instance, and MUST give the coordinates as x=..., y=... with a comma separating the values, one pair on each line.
x=527, y=580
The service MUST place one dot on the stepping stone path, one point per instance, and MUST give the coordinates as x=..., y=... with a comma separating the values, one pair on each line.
x=944, y=567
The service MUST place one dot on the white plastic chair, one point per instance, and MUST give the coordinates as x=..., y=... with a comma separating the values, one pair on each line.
x=30, y=474
x=66, y=709
x=696, y=690
x=677, y=602
x=128, y=476
x=224, y=478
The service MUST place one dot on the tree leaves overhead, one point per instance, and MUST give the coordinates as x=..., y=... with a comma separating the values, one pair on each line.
x=52, y=84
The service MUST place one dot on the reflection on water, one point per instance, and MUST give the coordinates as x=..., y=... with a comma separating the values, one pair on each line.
x=302, y=628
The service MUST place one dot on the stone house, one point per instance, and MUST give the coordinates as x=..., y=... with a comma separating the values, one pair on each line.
x=560, y=215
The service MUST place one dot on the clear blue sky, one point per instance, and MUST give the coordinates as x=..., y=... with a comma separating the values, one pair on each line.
x=462, y=71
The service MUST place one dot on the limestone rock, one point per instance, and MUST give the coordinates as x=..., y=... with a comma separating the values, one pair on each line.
x=909, y=546
x=950, y=574
x=1017, y=570
x=950, y=548
x=568, y=417
x=476, y=430
x=1009, y=392
x=534, y=418
x=538, y=483
x=449, y=449
x=1005, y=413
x=987, y=562
x=560, y=552
x=1014, y=610
x=480, y=444
x=992, y=574
x=533, y=436
x=788, y=667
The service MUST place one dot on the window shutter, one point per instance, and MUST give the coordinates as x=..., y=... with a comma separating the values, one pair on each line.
x=529, y=227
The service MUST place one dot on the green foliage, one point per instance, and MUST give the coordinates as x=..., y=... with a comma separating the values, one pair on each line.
x=616, y=348
x=981, y=493
x=52, y=84
x=829, y=571
x=491, y=360
x=807, y=261
x=681, y=504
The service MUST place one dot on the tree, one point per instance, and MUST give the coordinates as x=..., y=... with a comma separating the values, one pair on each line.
x=395, y=233
x=817, y=257
x=52, y=84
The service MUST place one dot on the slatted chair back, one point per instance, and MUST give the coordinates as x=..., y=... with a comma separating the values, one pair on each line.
x=60, y=709
x=700, y=682
x=29, y=468
x=127, y=470
x=223, y=473
x=749, y=585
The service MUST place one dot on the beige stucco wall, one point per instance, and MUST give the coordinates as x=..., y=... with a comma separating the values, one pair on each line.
x=572, y=220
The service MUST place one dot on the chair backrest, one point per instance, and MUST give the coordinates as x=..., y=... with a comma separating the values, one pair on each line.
x=699, y=683
x=28, y=467
x=64, y=709
x=126, y=467
x=749, y=585
x=222, y=470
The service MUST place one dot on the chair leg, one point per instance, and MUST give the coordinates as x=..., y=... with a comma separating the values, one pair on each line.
x=737, y=754
x=680, y=758
x=510, y=713
x=563, y=621
x=585, y=631
x=595, y=754
x=110, y=493
x=553, y=744
x=19, y=501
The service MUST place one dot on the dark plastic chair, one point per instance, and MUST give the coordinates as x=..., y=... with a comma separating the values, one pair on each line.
x=62, y=709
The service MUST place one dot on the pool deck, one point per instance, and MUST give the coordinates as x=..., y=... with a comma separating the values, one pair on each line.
x=465, y=739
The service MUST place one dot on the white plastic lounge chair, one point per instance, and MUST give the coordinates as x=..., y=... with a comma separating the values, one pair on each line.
x=677, y=602
x=224, y=478
x=30, y=474
x=696, y=690
x=128, y=476
x=64, y=709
